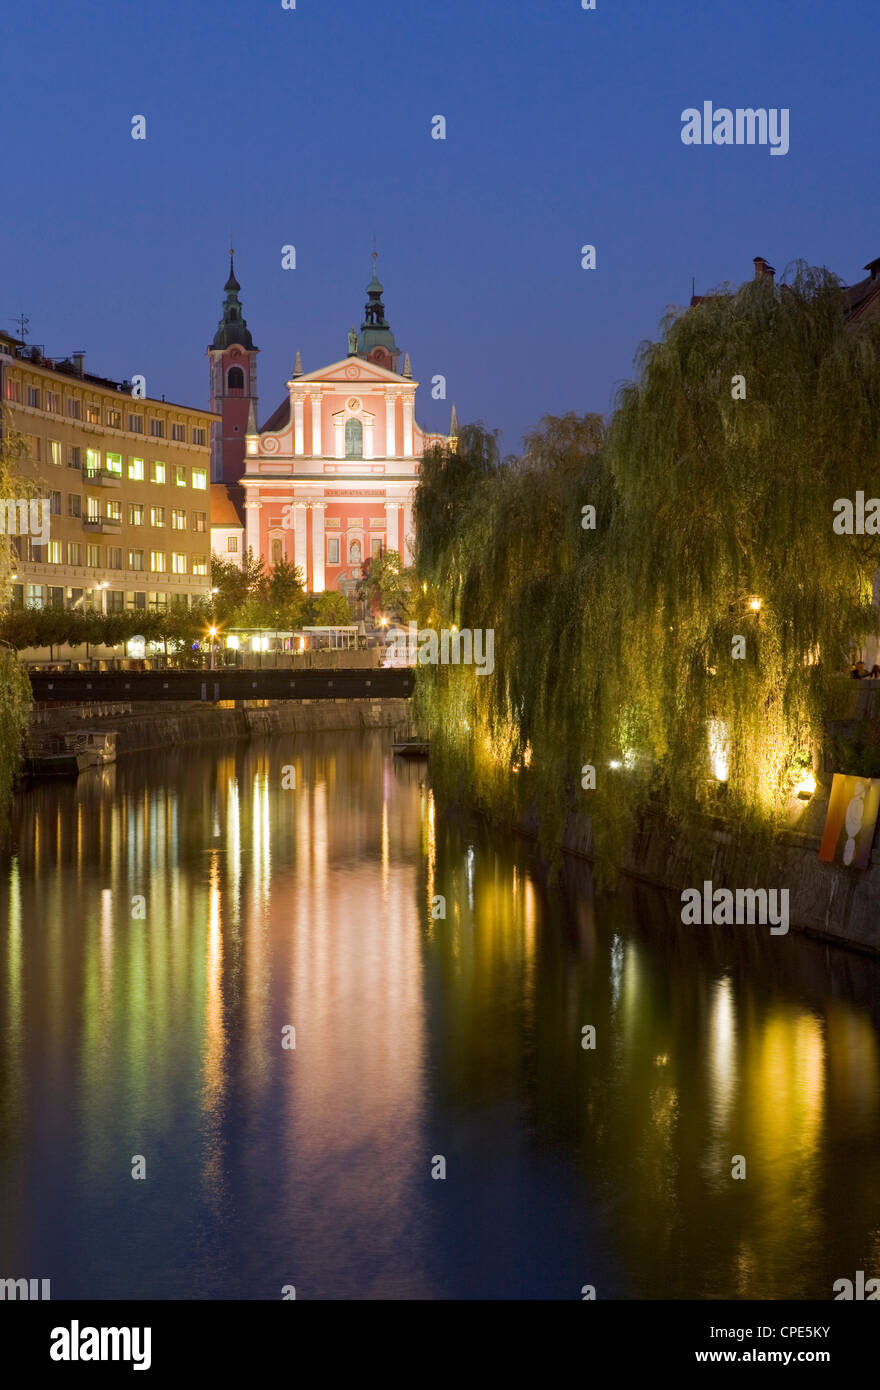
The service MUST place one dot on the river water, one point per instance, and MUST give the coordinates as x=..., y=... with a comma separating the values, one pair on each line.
x=164, y=922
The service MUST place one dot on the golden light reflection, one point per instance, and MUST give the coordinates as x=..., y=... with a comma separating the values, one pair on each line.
x=214, y=1048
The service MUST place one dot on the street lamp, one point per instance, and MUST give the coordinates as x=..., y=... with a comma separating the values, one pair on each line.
x=212, y=633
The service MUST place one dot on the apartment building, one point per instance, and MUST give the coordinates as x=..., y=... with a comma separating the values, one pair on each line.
x=127, y=480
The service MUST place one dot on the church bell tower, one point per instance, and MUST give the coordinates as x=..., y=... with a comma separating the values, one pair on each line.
x=233, y=360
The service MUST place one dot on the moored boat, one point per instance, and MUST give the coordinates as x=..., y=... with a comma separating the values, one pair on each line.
x=410, y=747
x=69, y=754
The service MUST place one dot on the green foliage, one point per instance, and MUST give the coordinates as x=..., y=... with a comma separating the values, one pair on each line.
x=255, y=597
x=387, y=586
x=15, y=703
x=615, y=644
x=855, y=748
x=49, y=627
x=329, y=609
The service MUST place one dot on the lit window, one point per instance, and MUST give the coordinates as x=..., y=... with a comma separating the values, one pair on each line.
x=13, y=390
x=135, y=513
x=157, y=516
x=135, y=559
x=93, y=462
x=200, y=564
x=157, y=472
x=136, y=470
x=114, y=419
x=200, y=521
x=74, y=553
x=179, y=475
x=157, y=561
x=54, y=552
x=114, y=464
x=114, y=510
x=178, y=563
x=93, y=509
x=55, y=452
x=200, y=478
x=178, y=519
x=93, y=413
x=93, y=556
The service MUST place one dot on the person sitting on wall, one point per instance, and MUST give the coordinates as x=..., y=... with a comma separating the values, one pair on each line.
x=874, y=672
x=859, y=670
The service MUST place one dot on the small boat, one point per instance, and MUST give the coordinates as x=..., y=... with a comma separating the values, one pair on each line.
x=69, y=754
x=410, y=747
x=97, y=750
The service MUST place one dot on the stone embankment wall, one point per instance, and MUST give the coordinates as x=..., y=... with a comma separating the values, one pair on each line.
x=144, y=725
x=824, y=900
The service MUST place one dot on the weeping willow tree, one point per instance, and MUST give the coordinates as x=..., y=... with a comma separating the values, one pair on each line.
x=500, y=548
x=15, y=690
x=710, y=606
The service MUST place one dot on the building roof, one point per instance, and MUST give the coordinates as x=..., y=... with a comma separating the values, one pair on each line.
x=863, y=298
x=279, y=419
x=224, y=511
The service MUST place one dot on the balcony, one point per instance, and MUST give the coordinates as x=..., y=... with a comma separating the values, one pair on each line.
x=102, y=524
x=101, y=477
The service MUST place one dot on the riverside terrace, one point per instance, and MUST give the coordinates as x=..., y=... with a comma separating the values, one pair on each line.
x=235, y=683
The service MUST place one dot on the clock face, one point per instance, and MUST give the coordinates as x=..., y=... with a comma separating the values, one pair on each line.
x=354, y=403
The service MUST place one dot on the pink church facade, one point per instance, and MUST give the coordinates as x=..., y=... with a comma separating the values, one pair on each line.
x=327, y=482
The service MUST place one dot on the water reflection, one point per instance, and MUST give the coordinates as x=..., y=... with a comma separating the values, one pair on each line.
x=165, y=922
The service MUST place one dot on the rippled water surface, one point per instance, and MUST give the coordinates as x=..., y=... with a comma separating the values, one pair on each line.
x=162, y=924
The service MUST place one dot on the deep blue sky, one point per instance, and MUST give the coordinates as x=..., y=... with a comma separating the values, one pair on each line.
x=312, y=127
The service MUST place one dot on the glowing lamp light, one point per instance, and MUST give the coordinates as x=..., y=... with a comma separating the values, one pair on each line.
x=383, y=622
x=212, y=632
x=755, y=604
x=302, y=644
x=805, y=788
x=614, y=763
x=719, y=755
x=233, y=643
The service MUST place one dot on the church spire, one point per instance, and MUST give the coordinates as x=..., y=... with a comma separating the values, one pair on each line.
x=453, y=420
x=232, y=328
x=375, y=339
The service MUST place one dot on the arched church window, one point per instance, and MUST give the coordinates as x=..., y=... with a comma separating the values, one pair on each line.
x=354, y=553
x=277, y=552
x=354, y=439
x=235, y=379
